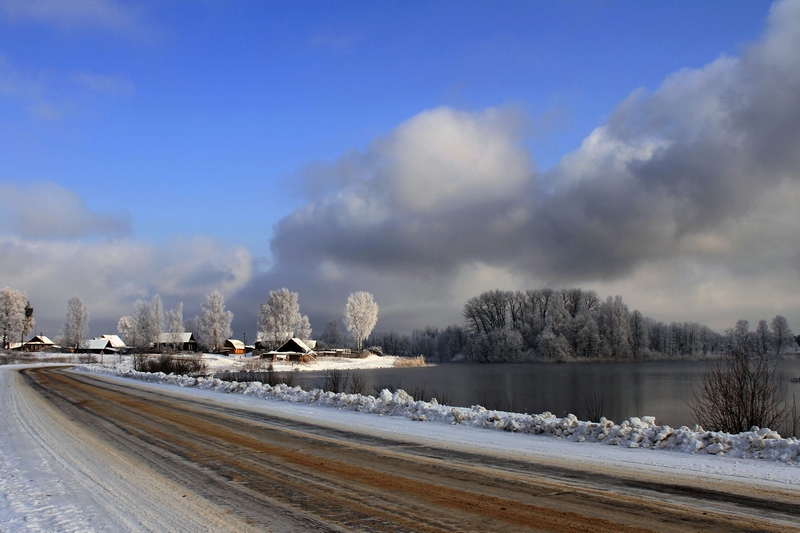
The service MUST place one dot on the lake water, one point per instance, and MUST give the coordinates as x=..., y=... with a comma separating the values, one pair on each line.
x=660, y=389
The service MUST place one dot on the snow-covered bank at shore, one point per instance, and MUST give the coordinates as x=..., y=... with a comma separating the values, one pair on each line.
x=217, y=363
x=635, y=432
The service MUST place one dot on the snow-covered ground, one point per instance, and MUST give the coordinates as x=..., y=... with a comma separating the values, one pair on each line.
x=221, y=363
x=759, y=458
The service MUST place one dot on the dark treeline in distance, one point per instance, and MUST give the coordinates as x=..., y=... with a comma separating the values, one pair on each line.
x=568, y=324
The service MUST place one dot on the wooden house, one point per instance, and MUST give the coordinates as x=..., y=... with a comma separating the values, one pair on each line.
x=233, y=347
x=184, y=342
x=39, y=343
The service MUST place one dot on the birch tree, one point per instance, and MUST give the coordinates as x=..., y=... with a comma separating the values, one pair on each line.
x=360, y=316
x=215, y=322
x=156, y=319
x=126, y=329
x=280, y=319
x=174, y=321
x=12, y=314
x=143, y=329
x=77, y=326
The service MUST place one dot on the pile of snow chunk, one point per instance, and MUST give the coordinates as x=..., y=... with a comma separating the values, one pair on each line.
x=632, y=433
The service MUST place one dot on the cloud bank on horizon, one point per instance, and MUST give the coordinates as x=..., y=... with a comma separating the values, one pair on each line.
x=684, y=202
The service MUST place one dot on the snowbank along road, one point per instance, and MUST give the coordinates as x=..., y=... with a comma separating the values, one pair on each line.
x=117, y=456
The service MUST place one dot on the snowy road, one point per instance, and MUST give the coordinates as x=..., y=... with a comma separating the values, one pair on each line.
x=86, y=452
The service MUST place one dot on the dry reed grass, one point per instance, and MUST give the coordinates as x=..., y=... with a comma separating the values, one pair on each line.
x=407, y=362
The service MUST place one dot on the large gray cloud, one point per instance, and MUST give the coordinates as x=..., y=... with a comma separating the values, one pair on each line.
x=677, y=185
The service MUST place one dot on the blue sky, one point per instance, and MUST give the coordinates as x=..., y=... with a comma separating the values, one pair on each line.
x=180, y=147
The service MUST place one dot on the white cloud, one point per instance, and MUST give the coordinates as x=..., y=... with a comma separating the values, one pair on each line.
x=444, y=158
x=110, y=275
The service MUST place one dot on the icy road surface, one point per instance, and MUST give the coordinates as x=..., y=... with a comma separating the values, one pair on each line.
x=81, y=452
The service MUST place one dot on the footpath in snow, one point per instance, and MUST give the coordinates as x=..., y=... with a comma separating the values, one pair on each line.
x=759, y=443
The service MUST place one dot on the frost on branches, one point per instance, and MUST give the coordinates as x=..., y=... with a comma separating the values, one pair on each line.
x=215, y=322
x=279, y=319
x=77, y=326
x=13, y=315
x=360, y=316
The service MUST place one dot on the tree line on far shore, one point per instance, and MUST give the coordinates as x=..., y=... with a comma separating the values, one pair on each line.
x=565, y=325
x=500, y=326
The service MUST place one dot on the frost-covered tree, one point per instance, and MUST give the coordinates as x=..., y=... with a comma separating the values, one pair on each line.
x=215, y=322
x=144, y=327
x=174, y=323
x=192, y=325
x=498, y=346
x=588, y=342
x=156, y=318
x=360, y=316
x=302, y=328
x=76, y=328
x=742, y=328
x=554, y=347
x=615, y=327
x=640, y=336
x=279, y=319
x=12, y=314
x=782, y=336
x=127, y=330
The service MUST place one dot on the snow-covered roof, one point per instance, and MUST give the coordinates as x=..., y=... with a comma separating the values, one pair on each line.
x=295, y=345
x=168, y=338
x=41, y=339
x=114, y=340
x=239, y=345
x=95, y=344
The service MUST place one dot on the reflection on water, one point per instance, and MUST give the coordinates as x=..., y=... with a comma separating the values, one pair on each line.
x=659, y=389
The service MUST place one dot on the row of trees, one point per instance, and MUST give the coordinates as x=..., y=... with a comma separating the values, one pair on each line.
x=149, y=321
x=566, y=324
x=501, y=326
x=562, y=324
x=279, y=319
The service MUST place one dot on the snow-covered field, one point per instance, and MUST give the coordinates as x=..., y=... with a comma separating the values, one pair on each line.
x=758, y=458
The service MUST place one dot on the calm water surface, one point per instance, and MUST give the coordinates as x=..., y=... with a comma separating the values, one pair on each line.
x=660, y=389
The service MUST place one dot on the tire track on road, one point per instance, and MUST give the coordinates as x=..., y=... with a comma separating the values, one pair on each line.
x=258, y=468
